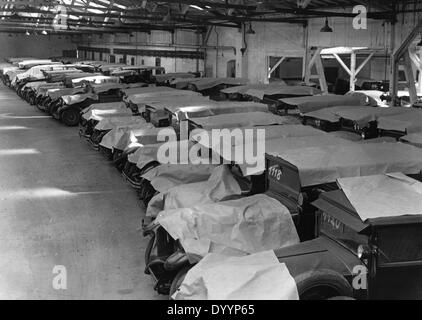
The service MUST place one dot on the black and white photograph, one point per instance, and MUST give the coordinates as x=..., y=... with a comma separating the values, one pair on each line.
x=208, y=156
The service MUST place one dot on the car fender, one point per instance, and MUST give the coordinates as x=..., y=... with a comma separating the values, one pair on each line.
x=318, y=254
x=320, y=264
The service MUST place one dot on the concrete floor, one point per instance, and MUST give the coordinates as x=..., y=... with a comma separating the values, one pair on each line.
x=62, y=203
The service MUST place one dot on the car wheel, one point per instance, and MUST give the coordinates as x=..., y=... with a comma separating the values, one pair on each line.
x=322, y=284
x=178, y=279
x=192, y=87
x=70, y=117
x=148, y=250
x=51, y=107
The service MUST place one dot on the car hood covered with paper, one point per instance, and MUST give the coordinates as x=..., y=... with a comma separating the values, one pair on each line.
x=258, y=276
x=248, y=225
x=220, y=184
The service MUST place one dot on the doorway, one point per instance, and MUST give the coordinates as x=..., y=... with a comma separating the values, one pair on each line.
x=231, y=69
x=287, y=69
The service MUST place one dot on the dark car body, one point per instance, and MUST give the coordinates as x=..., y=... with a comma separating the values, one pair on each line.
x=379, y=258
x=133, y=74
x=287, y=180
x=69, y=113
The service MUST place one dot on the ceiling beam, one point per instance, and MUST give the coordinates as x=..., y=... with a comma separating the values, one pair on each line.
x=226, y=4
x=198, y=19
x=385, y=15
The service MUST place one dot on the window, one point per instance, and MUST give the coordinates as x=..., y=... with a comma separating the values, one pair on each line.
x=132, y=61
x=112, y=58
x=158, y=62
x=69, y=53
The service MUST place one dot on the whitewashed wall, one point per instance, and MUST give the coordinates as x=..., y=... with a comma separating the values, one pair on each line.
x=277, y=39
x=181, y=40
x=40, y=46
x=270, y=39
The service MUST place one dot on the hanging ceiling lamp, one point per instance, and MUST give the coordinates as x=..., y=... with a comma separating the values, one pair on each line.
x=326, y=28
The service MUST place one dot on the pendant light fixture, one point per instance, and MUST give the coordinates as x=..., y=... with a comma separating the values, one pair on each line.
x=326, y=27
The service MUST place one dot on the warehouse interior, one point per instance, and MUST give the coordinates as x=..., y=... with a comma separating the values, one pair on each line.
x=311, y=190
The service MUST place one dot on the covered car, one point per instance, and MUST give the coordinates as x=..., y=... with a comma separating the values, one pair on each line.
x=368, y=230
x=155, y=110
x=68, y=111
x=167, y=78
x=50, y=79
x=303, y=105
x=73, y=84
x=152, y=94
x=239, y=92
x=207, y=85
x=273, y=92
x=258, y=276
x=146, y=160
x=133, y=74
x=183, y=111
x=245, y=119
x=144, y=165
x=297, y=180
x=107, y=122
x=36, y=72
x=27, y=64
x=92, y=114
x=220, y=185
x=359, y=119
x=247, y=225
x=116, y=132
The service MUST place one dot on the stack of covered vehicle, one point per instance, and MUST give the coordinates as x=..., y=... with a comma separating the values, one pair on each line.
x=271, y=206
x=248, y=185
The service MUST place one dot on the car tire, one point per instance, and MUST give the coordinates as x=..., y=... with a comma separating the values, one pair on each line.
x=192, y=87
x=70, y=117
x=51, y=107
x=148, y=250
x=322, y=284
x=178, y=279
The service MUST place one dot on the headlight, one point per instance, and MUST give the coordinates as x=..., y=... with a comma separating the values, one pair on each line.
x=364, y=251
x=301, y=199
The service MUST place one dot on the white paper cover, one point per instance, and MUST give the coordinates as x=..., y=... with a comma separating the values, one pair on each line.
x=382, y=196
x=250, y=224
x=219, y=185
x=257, y=276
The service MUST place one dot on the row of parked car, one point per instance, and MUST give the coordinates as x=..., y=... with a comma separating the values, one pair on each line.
x=339, y=191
